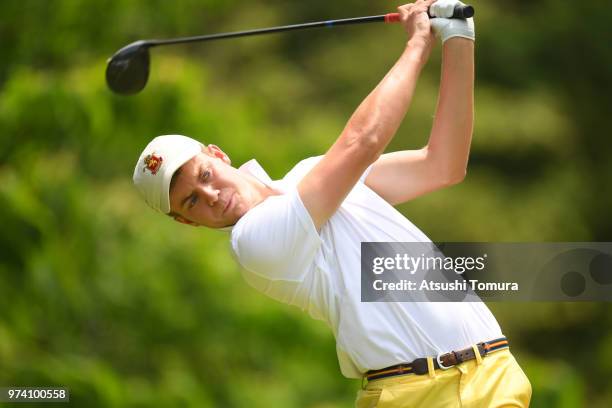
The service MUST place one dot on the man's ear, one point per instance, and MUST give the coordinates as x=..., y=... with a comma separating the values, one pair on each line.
x=184, y=221
x=216, y=151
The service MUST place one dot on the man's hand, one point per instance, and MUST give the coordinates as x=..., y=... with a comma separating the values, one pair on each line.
x=415, y=20
x=445, y=27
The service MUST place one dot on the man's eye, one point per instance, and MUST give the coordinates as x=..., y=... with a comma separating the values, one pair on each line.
x=206, y=175
x=193, y=200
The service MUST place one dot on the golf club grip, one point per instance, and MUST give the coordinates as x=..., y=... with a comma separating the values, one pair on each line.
x=460, y=11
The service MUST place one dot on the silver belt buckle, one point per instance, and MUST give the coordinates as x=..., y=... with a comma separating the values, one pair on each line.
x=442, y=366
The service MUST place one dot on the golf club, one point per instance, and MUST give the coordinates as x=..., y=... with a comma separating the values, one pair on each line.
x=127, y=71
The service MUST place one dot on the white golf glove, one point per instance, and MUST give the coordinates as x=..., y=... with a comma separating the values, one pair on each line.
x=445, y=27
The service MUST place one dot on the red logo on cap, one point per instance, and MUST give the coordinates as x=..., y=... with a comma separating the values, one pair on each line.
x=152, y=163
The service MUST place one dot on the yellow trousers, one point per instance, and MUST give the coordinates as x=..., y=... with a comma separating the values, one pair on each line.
x=493, y=382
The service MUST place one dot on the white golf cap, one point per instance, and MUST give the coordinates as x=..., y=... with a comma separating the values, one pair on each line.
x=156, y=165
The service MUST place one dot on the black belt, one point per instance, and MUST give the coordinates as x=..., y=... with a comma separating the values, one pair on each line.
x=442, y=361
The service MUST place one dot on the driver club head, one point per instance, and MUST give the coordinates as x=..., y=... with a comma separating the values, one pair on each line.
x=127, y=71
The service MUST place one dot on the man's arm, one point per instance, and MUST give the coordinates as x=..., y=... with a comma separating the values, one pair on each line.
x=372, y=125
x=401, y=176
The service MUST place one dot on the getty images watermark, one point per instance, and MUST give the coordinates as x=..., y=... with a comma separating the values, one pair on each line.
x=460, y=272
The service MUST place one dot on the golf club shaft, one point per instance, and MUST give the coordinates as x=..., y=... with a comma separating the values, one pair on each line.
x=460, y=12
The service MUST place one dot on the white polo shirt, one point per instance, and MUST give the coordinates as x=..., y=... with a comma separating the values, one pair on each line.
x=284, y=256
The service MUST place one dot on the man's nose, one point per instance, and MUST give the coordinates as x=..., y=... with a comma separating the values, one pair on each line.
x=211, y=195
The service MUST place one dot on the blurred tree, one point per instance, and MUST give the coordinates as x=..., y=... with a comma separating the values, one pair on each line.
x=127, y=309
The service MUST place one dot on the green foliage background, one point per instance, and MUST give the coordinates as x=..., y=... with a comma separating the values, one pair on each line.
x=126, y=308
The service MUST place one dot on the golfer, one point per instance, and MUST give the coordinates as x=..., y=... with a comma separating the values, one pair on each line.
x=298, y=239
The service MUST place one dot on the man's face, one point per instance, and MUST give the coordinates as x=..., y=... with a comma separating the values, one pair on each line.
x=208, y=191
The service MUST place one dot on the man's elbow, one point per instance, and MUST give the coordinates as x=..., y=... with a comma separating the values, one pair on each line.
x=453, y=178
x=448, y=172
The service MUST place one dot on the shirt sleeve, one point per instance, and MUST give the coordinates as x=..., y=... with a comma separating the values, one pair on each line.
x=365, y=174
x=277, y=239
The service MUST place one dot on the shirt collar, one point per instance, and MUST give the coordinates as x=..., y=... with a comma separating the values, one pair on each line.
x=254, y=169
